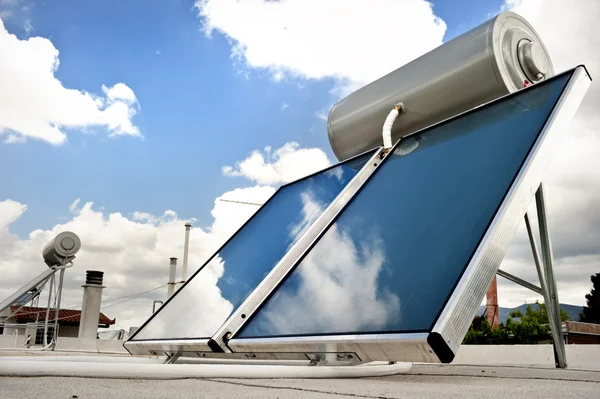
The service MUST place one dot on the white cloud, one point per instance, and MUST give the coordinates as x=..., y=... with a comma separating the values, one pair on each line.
x=73, y=207
x=572, y=182
x=288, y=163
x=7, y=8
x=28, y=27
x=10, y=211
x=321, y=115
x=285, y=106
x=35, y=104
x=351, y=40
x=133, y=251
x=14, y=139
x=120, y=91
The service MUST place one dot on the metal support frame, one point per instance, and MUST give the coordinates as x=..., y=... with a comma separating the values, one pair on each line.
x=54, y=290
x=545, y=271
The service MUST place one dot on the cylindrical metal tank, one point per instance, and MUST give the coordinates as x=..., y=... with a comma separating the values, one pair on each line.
x=61, y=249
x=498, y=57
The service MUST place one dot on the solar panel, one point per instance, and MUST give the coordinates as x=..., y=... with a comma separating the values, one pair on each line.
x=407, y=262
x=223, y=283
x=395, y=261
x=27, y=297
x=390, y=260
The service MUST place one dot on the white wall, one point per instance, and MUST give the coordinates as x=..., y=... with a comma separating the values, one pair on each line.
x=110, y=345
x=578, y=356
x=8, y=341
x=89, y=345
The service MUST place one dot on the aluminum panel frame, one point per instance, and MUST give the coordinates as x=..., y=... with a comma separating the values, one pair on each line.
x=453, y=323
x=251, y=305
x=158, y=347
x=367, y=347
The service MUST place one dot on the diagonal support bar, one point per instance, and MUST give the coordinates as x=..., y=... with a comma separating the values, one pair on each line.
x=519, y=281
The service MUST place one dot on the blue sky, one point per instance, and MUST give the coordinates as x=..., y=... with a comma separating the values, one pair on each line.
x=200, y=109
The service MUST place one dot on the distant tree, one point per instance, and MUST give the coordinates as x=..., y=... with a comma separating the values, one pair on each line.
x=479, y=332
x=591, y=312
x=541, y=313
x=533, y=326
x=529, y=328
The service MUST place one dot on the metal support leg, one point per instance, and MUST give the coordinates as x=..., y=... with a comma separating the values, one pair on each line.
x=50, y=293
x=57, y=310
x=546, y=277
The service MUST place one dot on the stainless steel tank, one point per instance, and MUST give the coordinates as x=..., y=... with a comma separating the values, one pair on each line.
x=498, y=57
x=61, y=249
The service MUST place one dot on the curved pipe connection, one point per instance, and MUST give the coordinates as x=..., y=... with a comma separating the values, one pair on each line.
x=118, y=369
x=389, y=122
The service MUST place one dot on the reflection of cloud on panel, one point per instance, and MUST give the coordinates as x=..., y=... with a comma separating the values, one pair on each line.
x=338, y=173
x=407, y=146
x=334, y=290
x=202, y=290
x=311, y=209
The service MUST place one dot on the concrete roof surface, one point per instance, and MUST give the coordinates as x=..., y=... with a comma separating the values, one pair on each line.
x=423, y=381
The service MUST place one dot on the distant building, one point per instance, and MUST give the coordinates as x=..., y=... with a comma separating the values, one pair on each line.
x=30, y=321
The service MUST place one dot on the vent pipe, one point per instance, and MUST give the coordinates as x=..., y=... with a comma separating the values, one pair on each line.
x=90, y=308
x=186, y=248
x=172, y=274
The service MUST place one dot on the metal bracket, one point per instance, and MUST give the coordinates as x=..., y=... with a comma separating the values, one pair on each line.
x=334, y=359
x=545, y=271
x=172, y=357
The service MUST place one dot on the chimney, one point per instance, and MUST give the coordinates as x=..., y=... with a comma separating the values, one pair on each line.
x=186, y=248
x=492, y=304
x=172, y=274
x=90, y=308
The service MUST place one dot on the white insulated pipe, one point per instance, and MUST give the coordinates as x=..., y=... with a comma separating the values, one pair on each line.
x=122, y=370
x=389, y=123
x=186, y=248
x=172, y=274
